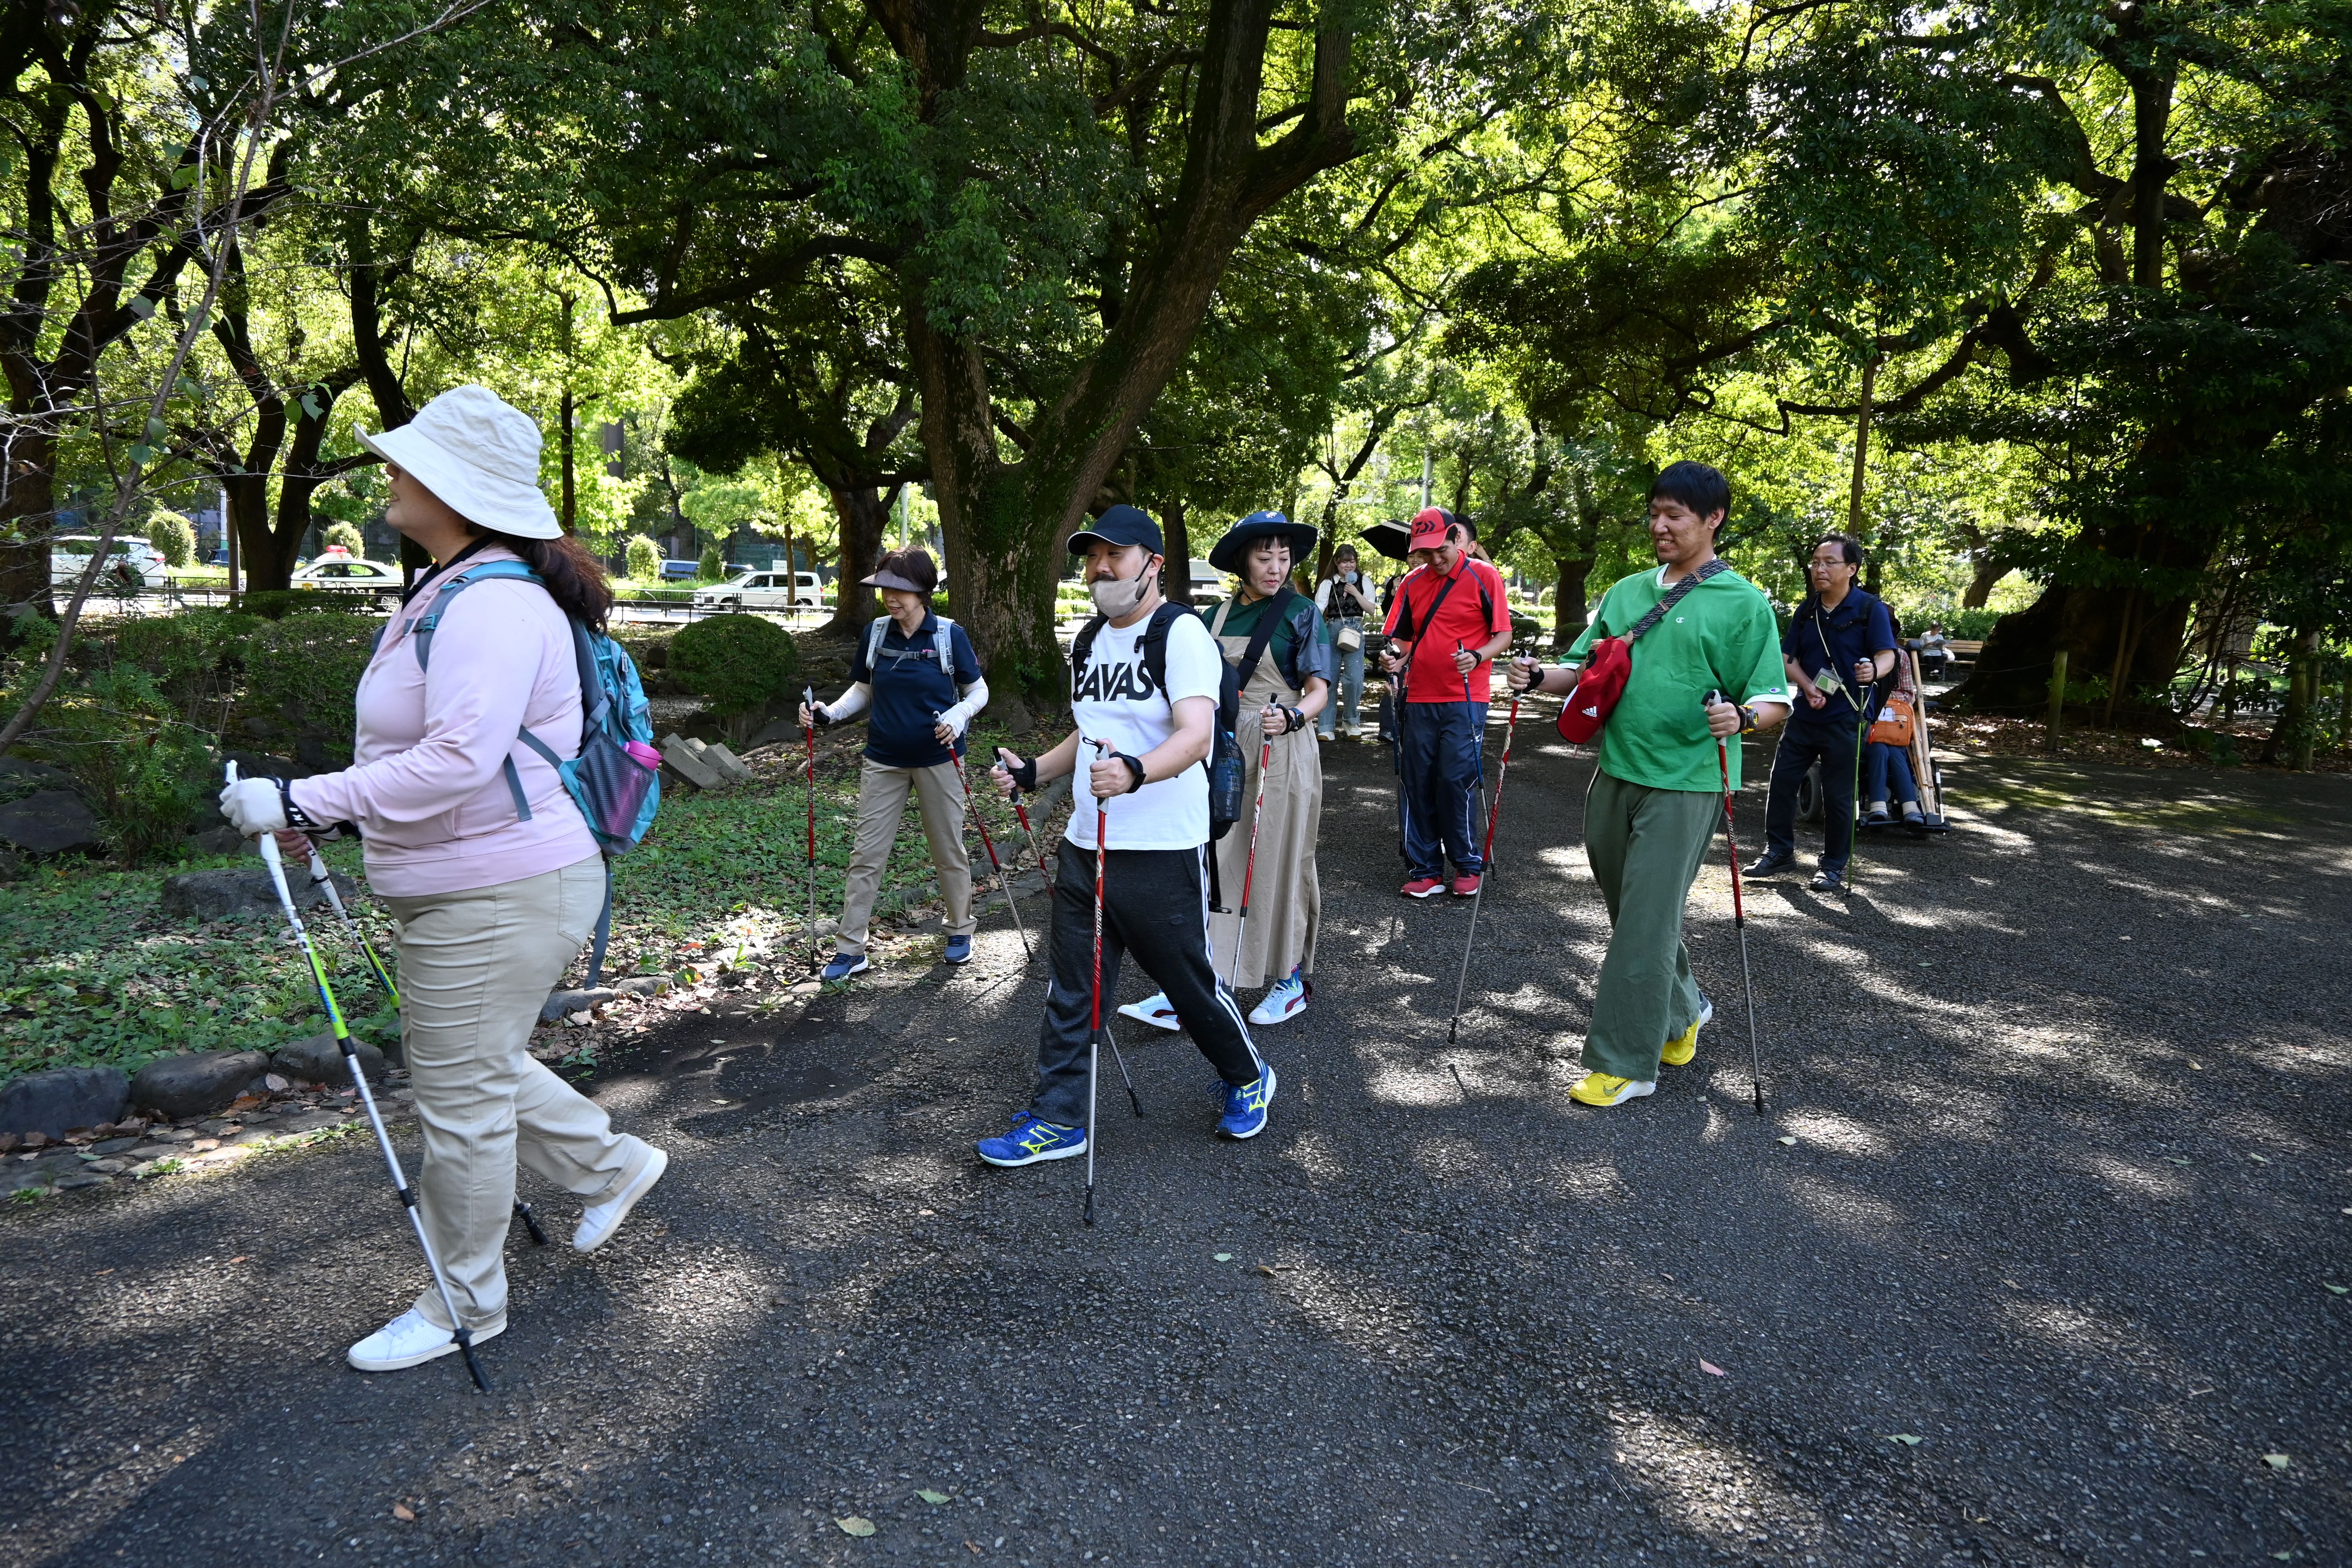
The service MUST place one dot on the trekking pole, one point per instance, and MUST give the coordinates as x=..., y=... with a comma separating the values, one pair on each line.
x=1094, y=1032
x=323, y=881
x=971, y=809
x=1486, y=865
x=808, y=731
x=1740, y=914
x=1249, y=867
x=462, y=1336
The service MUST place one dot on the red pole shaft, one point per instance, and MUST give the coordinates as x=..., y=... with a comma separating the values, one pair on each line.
x=1494, y=812
x=1102, y=831
x=1249, y=866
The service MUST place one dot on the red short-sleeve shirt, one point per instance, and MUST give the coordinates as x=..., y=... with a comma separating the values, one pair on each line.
x=1462, y=621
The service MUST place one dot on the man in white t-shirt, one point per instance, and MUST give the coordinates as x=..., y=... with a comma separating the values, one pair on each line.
x=1143, y=688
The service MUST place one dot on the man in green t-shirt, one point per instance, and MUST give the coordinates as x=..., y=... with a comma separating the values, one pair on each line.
x=1658, y=792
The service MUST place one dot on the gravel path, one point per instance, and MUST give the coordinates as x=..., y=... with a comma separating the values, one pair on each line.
x=2030, y=1262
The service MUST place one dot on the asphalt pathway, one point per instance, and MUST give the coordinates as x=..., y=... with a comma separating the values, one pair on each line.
x=2029, y=1263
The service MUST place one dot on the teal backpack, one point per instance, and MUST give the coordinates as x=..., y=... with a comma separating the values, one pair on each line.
x=615, y=780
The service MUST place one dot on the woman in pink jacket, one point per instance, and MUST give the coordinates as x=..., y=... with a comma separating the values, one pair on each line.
x=479, y=851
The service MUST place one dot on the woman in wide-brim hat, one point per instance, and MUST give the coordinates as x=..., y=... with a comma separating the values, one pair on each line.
x=477, y=848
x=1280, y=698
x=917, y=671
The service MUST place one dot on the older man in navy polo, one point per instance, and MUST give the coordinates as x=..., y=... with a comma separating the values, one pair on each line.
x=1839, y=644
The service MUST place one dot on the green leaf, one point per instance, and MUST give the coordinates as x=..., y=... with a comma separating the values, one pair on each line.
x=2277, y=1461
x=143, y=454
x=1909, y=1440
x=141, y=306
x=928, y=1496
x=183, y=176
x=157, y=431
x=854, y=1525
x=311, y=406
x=1222, y=1257
x=1791, y=1142
x=198, y=84
x=2339, y=1289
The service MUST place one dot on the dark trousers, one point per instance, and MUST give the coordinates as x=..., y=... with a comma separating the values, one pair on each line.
x=1829, y=738
x=1155, y=906
x=1439, y=770
x=1885, y=767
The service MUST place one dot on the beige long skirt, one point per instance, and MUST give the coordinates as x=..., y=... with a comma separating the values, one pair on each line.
x=1285, y=903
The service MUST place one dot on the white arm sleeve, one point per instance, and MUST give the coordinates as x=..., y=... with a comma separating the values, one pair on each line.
x=849, y=704
x=959, y=717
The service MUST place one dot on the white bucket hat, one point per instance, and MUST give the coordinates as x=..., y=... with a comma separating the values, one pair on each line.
x=478, y=453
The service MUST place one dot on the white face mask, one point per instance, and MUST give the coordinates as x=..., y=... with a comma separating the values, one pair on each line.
x=1113, y=597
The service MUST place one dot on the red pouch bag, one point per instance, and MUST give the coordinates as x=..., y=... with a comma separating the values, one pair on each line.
x=1609, y=664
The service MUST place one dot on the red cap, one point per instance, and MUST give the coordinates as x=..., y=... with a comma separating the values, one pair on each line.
x=1428, y=528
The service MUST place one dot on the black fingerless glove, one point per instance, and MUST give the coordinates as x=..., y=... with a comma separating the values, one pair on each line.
x=1023, y=774
x=824, y=720
x=1135, y=766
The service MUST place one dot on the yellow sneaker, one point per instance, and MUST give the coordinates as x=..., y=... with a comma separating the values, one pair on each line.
x=1678, y=1052
x=1601, y=1089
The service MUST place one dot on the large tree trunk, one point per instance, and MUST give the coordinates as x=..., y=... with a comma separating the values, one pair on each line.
x=1988, y=572
x=863, y=514
x=2012, y=673
x=1176, y=525
x=1568, y=620
x=26, y=521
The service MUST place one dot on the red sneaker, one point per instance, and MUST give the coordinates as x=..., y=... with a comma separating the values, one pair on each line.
x=1466, y=887
x=1422, y=888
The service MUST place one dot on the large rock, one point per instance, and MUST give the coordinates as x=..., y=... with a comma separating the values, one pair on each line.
x=319, y=1059
x=560, y=1004
x=62, y=1097
x=685, y=758
x=41, y=774
x=197, y=1083
x=51, y=822
x=218, y=839
x=238, y=893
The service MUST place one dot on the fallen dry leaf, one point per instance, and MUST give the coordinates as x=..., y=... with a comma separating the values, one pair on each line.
x=2276, y=1461
x=400, y=1511
x=1712, y=1370
x=854, y=1525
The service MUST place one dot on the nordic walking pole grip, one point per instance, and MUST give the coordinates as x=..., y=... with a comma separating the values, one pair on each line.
x=1738, y=911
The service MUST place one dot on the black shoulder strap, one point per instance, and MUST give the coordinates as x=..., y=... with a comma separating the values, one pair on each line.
x=1268, y=619
x=1081, y=646
x=1155, y=643
x=1434, y=606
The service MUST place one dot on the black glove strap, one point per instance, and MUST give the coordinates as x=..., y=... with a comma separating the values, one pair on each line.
x=1135, y=765
x=824, y=717
x=295, y=815
x=1023, y=774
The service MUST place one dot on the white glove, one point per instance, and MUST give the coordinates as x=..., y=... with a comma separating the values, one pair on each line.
x=253, y=808
x=957, y=718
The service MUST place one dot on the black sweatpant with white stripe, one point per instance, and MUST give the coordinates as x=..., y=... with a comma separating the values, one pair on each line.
x=1155, y=906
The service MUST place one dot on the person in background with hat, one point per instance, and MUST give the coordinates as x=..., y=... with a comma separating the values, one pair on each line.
x=1289, y=684
x=477, y=848
x=1347, y=601
x=1657, y=795
x=1450, y=618
x=918, y=673
x=1144, y=678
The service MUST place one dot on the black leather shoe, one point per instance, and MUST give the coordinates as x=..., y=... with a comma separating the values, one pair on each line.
x=1828, y=882
x=1771, y=863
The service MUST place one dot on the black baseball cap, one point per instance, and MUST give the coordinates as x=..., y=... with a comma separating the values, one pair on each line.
x=1122, y=524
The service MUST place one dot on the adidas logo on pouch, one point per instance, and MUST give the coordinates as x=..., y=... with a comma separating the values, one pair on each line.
x=1592, y=712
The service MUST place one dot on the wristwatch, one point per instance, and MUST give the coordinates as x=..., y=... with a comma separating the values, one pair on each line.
x=1747, y=719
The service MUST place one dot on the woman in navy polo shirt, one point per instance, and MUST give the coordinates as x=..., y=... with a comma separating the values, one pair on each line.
x=917, y=672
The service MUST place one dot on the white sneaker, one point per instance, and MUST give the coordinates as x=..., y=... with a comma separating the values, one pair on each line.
x=410, y=1340
x=598, y=1223
x=1154, y=1010
x=1285, y=1002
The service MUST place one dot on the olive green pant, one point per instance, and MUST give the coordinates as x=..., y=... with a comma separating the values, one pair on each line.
x=1644, y=846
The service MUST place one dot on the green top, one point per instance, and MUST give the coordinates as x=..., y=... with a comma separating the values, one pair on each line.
x=1723, y=636
x=1304, y=623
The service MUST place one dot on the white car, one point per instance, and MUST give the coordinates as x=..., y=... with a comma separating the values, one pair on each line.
x=770, y=590
x=130, y=563
x=346, y=572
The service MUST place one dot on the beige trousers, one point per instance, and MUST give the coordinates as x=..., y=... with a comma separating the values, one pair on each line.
x=473, y=968
x=881, y=803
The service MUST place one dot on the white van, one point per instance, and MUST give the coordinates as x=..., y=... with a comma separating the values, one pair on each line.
x=131, y=563
x=769, y=590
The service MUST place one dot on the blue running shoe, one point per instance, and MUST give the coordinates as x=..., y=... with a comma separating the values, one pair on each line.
x=1032, y=1140
x=1246, y=1107
x=959, y=950
x=844, y=965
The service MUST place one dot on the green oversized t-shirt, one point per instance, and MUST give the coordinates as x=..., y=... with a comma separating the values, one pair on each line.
x=1721, y=637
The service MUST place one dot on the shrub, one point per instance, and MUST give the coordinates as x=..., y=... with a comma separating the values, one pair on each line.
x=192, y=655
x=712, y=566
x=644, y=560
x=348, y=535
x=737, y=664
x=301, y=675
x=174, y=538
x=145, y=771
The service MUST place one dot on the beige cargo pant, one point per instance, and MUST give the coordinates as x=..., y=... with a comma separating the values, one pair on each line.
x=473, y=968
x=881, y=803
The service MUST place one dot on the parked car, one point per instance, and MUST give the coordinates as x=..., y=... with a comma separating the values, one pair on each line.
x=346, y=572
x=753, y=589
x=131, y=563
x=680, y=571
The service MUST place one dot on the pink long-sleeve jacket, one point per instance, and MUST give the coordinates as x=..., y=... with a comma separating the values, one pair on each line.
x=427, y=786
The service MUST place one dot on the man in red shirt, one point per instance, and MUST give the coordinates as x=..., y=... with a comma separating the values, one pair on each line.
x=1449, y=620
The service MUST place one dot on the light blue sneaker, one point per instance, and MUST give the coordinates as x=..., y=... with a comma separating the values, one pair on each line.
x=1032, y=1140
x=1246, y=1106
x=843, y=965
x=959, y=950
